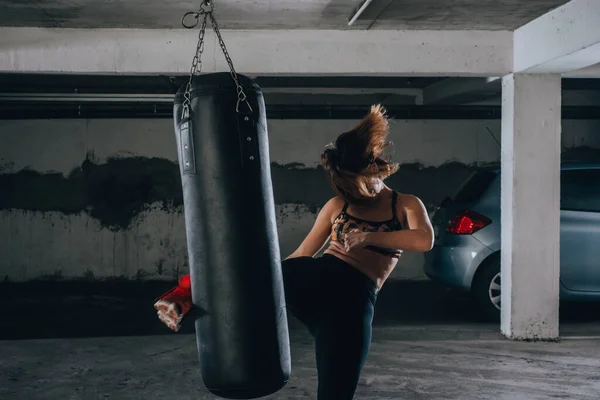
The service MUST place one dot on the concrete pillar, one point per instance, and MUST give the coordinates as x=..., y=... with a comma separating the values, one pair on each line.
x=530, y=266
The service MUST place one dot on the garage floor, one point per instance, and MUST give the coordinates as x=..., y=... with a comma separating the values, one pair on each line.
x=165, y=367
x=77, y=343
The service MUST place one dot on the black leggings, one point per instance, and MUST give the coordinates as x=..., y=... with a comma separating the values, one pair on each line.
x=336, y=303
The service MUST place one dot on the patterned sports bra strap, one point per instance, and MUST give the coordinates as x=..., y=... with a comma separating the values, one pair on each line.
x=345, y=207
x=394, y=201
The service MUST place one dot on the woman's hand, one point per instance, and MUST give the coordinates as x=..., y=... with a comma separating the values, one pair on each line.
x=417, y=236
x=355, y=239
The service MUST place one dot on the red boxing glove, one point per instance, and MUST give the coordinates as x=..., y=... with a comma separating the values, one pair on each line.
x=185, y=282
x=174, y=304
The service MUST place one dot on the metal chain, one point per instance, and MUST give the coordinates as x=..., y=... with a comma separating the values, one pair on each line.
x=240, y=89
x=206, y=10
x=196, y=62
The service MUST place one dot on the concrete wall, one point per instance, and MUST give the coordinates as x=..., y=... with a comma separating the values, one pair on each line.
x=101, y=199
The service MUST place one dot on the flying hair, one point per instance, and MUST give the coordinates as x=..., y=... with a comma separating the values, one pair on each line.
x=357, y=157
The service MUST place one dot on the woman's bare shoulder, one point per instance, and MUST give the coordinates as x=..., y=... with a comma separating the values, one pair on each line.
x=333, y=206
x=331, y=209
x=408, y=201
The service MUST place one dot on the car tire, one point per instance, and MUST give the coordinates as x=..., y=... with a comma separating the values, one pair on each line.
x=486, y=289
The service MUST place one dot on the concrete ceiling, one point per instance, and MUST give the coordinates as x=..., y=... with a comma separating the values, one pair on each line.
x=278, y=14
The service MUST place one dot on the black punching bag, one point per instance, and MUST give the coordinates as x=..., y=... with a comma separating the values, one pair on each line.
x=235, y=266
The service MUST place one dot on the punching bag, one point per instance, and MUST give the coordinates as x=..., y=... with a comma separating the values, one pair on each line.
x=235, y=266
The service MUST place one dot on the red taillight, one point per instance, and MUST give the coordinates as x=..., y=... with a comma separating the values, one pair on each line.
x=467, y=222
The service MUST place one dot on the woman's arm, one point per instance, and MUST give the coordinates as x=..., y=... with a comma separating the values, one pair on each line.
x=418, y=237
x=318, y=235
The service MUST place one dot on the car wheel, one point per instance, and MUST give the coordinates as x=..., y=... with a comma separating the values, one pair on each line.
x=486, y=290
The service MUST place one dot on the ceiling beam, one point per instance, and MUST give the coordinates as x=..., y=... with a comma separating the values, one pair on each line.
x=593, y=72
x=565, y=39
x=258, y=52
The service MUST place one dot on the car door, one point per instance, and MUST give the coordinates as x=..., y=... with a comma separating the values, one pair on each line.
x=580, y=230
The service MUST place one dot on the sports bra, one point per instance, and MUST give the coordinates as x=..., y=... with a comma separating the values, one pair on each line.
x=345, y=223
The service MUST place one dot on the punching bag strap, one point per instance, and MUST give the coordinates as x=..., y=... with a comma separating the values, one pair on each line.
x=188, y=158
x=248, y=140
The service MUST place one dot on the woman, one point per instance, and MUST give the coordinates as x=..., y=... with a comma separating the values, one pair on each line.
x=368, y=225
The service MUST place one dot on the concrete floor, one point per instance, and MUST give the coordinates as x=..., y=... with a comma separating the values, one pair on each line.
x=60, y=341
x=165, y=367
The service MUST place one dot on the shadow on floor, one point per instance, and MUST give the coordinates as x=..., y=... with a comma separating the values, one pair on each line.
x=123, y=308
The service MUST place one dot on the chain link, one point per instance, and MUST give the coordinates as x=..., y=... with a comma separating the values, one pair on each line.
x=206, y=10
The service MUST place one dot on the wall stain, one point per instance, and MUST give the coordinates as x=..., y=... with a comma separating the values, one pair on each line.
x=88, y=275
x=114, y=193
x=5, y=164
x=310, y=187
x=56, y=276
x=160, y=269
x=141, y=275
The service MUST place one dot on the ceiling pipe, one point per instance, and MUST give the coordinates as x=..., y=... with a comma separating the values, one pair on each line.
x=87, y=98
x=358, y=11
x=153, y=98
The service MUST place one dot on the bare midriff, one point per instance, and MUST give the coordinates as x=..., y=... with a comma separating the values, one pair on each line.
x=376, y=266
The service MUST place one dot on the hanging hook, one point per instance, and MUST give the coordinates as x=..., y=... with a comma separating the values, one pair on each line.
x=206, y=7
x=195, y=14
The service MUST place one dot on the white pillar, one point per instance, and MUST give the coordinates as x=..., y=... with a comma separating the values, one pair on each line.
x=531, y=130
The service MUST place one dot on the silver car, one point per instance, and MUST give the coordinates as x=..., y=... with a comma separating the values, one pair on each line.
x=466, y=254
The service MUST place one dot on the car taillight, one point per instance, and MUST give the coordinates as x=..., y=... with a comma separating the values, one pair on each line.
x=467, y=222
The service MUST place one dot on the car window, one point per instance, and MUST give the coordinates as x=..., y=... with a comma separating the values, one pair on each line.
x=474, y=187
x=580, y=190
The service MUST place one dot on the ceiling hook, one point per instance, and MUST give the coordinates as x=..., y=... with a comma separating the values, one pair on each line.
x=195, y=14
x=207, y=6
